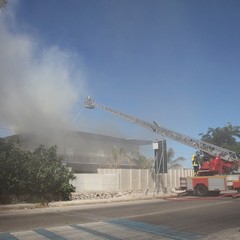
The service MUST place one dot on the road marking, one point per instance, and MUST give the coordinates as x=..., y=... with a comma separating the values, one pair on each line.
x=28, y=235
x=154, y=229
x=94, y=232
x=115, y=229
x=48, y=234
x=7, y=236
x=169, y=211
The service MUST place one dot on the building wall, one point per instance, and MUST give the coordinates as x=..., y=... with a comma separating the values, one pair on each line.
x=83, y=152
x=94, y=149
x=127, y=179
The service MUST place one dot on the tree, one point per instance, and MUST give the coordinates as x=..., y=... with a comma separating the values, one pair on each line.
x=39, y=173
x=120, y=156
x=13, y=163
x=141, y=161
x=174, y=163
x=49, y=175
x=226, y=137
x=146, y=163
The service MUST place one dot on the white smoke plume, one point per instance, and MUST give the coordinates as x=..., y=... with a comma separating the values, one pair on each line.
x=37, y=87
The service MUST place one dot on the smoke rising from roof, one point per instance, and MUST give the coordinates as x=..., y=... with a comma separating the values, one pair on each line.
x=37, y=87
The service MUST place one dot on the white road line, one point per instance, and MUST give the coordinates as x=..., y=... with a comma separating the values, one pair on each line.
x=173, y=210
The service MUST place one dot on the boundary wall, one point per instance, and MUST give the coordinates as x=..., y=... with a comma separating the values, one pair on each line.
x=128, y=179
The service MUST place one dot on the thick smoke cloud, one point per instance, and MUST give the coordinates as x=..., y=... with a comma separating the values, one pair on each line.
x=37, y=87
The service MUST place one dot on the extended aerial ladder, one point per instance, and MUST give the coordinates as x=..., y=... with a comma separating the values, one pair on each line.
x=205, y=147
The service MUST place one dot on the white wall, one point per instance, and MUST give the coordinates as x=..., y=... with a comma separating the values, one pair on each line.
x=96, y=182
x=127, y=179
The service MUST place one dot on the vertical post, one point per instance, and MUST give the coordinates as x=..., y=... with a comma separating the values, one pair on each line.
x=139, y=179
x=131, y=182
x=156, y=166
x=160, y=165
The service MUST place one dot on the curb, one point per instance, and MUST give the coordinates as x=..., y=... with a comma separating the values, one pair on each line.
x=20, y=206
x=83, y=202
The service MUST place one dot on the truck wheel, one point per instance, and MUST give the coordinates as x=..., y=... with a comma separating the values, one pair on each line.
x=215, y=193
x=201, y=190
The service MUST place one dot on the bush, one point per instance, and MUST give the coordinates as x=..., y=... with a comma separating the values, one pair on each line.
x=38, y=174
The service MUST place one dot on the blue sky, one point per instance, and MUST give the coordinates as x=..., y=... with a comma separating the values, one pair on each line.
x=173, y=61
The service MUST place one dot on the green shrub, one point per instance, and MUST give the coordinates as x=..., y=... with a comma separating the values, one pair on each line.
x=39, y=173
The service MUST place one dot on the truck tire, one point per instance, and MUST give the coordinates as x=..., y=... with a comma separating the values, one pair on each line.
x=215, y=193
x=201, y=190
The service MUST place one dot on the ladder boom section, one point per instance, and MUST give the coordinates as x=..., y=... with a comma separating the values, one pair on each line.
x=211, y=149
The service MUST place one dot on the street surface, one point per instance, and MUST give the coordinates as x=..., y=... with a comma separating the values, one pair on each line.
x=179, y=218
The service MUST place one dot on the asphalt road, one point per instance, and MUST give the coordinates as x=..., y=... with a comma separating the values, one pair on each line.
x=200, y=216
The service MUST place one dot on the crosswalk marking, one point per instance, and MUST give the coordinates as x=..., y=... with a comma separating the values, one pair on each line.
x=27, y=235
x=49, y=234
x=7, y=236
x=154, y=229
x=115, y=229
x=95, y=232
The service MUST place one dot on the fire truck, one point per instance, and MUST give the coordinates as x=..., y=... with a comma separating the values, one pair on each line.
x=219, y=169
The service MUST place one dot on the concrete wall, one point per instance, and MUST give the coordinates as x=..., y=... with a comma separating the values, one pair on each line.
x=127, y=179
x=96, y=182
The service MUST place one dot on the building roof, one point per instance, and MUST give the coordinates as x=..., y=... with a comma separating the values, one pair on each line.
x=111, y=138
x=89, y=135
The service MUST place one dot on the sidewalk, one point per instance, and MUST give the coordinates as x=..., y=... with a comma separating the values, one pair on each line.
x=132, y=196
x=104, y=197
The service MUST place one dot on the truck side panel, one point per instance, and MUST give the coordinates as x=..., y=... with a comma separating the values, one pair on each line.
x=189, y=186
x=217, y=184
x=213, y=183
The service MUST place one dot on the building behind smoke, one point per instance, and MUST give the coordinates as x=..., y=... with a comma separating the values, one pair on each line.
x=86, y=152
